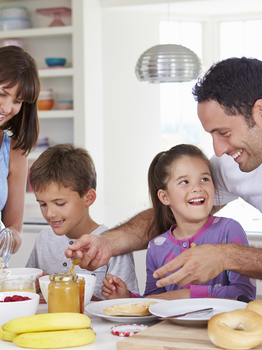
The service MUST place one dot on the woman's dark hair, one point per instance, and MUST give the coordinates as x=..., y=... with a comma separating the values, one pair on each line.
x=17, y=67
x=235, y=83
x=159, y=173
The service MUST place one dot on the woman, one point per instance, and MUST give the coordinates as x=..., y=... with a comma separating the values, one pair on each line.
x=19, y=128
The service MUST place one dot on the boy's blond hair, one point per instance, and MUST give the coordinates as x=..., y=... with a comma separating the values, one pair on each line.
x=65, y=165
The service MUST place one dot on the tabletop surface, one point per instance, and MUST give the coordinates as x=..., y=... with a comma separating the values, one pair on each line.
x=104, y=339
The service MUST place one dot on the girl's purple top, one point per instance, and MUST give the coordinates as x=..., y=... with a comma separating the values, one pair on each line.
x=217, y=230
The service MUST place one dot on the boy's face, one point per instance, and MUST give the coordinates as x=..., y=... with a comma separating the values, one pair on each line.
x=64, y=210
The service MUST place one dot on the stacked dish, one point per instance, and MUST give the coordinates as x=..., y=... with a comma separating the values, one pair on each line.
x=14, y=18
x=45, y=100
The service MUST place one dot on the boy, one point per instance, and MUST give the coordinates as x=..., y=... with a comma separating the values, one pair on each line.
x=63, y=179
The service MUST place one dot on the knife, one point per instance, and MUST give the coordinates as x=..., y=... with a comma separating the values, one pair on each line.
x=186, y=313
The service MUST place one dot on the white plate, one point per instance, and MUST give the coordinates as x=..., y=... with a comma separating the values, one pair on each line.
x=96, y=308
x=172, y=307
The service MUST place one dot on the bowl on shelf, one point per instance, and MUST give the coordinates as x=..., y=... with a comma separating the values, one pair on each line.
x=14, y=23
x=14, y=309
x=45, y=105
x=64, y=104
x=46, y=94
x=14, y=42
x=14, y=12
x=90, y=282
x=55, y=61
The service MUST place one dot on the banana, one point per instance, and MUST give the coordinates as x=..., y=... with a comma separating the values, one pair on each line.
x=8, y=336
x=47, y=322
x=55, y=339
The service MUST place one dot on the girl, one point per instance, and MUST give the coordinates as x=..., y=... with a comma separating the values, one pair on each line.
x=181, y=187
x=19, y=90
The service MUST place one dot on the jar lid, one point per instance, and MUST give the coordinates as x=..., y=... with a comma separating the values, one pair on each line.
x=64, y=277
x=127, y=330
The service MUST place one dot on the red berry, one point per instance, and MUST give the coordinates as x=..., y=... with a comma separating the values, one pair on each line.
x=15, y=298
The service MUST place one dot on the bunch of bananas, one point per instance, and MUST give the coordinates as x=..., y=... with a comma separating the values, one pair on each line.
x=49, y=331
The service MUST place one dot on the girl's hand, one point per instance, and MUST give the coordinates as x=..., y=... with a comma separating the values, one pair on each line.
x=114, y=288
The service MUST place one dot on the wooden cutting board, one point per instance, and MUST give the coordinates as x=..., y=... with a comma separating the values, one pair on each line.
x=167, y=336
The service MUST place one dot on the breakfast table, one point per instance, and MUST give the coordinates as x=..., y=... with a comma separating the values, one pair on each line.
x=159, y=335
x=104, y=339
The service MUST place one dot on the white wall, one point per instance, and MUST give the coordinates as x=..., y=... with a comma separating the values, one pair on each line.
x=131, y=113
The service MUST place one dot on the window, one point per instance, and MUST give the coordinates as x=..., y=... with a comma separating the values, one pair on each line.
x=179, y=120
x=237, y=39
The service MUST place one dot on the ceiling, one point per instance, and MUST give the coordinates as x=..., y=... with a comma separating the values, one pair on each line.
x=203, y=7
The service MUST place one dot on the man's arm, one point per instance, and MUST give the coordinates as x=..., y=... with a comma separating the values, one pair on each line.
x=130, y=236
x=201, y=264
x=95, y=251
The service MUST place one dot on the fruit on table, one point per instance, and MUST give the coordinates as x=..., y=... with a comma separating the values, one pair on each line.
x=49, y=331
x=48, y=322
x=14, y=298
x=7, y=336
x=56, y=339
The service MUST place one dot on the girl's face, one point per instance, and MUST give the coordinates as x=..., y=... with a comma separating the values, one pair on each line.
x=190, y=190
x=10, y=105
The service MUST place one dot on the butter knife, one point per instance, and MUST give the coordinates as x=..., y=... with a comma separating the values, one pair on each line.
x=186, y=313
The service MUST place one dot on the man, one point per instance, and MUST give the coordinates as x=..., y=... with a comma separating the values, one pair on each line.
x=230, y=109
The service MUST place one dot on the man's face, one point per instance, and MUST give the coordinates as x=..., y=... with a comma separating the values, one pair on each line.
x=231, y=135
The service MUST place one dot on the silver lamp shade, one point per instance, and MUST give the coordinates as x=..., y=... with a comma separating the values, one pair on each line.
x=168, y=64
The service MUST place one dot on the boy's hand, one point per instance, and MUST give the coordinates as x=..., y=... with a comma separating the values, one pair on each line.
x=114, y=288
x=93, y=251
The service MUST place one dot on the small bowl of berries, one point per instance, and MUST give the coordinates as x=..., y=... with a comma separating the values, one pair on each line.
x=17, y=304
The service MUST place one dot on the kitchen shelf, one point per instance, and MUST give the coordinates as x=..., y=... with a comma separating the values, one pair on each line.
x=69, y=113
x=37, y=32
x=55, y=72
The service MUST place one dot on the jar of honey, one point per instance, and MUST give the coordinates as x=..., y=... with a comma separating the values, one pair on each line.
x=63, y=293
x=81, y=283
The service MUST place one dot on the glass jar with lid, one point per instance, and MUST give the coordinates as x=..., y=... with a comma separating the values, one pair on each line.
x=7, y=243
x=63, y=293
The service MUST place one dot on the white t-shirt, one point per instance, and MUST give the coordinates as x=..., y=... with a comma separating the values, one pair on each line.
x=48, y=254
x=234, y=183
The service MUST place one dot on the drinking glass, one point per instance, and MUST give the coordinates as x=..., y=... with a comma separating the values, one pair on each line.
x=19, y=285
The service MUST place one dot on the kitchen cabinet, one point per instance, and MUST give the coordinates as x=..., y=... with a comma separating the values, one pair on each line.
x=42, y=41
x=68, y=83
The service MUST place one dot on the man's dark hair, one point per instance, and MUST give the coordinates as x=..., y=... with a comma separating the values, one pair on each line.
x=235, y=83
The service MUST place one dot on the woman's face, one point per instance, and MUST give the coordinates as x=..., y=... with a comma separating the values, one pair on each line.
x=10, y=104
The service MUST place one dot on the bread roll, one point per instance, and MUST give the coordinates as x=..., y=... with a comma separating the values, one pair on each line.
x=238, y=329
x=134, y=308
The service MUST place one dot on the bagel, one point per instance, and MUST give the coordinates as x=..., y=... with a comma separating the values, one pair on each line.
x=139, y=308
x=255, y=306
x=238, y=329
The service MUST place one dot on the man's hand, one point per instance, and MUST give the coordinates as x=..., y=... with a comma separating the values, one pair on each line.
x=93, y=251
x=197, y=265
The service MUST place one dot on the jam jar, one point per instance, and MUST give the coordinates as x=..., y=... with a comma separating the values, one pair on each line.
x=81, y=283
x=63, y=293
x=7, y=243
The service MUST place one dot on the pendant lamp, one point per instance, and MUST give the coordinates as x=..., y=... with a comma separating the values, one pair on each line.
x=168, y=63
